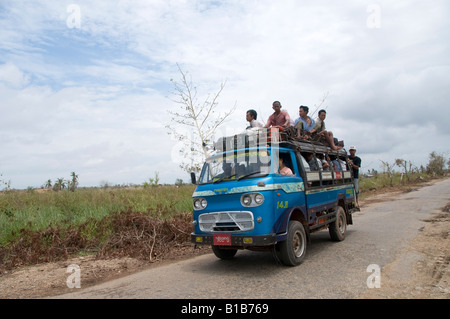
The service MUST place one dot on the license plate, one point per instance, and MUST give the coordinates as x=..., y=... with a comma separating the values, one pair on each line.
x=222, y=240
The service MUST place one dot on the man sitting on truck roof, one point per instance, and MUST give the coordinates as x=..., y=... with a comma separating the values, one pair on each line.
x=320, y=129
x=251, y=118
x=279, y=117
x=304, y=124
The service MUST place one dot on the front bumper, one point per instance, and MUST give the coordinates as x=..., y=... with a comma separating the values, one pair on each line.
x=237, y=240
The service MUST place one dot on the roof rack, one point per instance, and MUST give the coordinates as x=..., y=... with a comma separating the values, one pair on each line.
x=269, y=137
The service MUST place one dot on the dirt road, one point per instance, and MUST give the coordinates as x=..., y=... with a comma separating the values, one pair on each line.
x=405, y=238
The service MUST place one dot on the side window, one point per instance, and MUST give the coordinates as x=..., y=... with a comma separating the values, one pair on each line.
x=343, y=163
x=311, y=169
x=310, y=160
x=327, y=176
x=302, y=164
x=335, y=164
x=305, y=164
x=286, y=160
x=322, y=169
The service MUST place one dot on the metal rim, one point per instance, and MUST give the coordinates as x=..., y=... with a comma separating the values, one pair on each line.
x=341, y=223
x=298, y=243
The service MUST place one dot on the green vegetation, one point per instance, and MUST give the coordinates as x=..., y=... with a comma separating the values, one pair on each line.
x=48, y=225
x=407, y=175
x=386, y=182
x=36, y=210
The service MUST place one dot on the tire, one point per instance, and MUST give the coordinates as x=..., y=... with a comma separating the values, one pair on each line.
x=338, y=228
x=292, y=251
x=225, y=254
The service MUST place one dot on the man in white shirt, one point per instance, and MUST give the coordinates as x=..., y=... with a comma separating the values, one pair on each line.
x=320, y=129
x=251, y=118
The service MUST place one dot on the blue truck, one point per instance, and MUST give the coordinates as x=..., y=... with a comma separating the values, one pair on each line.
x=242, y=201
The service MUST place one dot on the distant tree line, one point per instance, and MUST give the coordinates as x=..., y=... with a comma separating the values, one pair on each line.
x=61, y=183
x=435, y=167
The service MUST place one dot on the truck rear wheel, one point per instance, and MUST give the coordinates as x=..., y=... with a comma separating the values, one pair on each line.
x=225, y=254
x=293, y=249
x=339, y=226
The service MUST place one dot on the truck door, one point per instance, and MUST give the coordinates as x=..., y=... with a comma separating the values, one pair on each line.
x=290, y=188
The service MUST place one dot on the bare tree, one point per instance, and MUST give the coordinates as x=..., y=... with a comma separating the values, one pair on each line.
x=389, y=170
x=319, y=106
x=201, y=118
x=436, y=164
x=5, y=184
x=407, y=167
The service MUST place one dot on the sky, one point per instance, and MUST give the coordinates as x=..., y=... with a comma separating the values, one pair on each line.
x=85, y=86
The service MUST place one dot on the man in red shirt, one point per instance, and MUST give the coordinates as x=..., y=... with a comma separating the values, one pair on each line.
x=279, y=117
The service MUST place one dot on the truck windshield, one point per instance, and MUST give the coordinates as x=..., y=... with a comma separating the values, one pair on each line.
x=235, y=166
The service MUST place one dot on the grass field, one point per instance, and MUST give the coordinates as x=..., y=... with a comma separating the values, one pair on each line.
x=37, y=210
x=44, y=225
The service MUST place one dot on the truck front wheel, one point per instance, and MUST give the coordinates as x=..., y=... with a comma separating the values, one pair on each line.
x=222, y=253
x=293, y=249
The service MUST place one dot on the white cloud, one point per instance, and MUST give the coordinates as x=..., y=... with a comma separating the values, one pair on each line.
x=94, y=99
x=11, y=76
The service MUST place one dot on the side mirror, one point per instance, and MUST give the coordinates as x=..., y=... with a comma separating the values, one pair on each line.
x=193, y=178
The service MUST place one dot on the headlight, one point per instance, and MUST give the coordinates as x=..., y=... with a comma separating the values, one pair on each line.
x=259, y=199
x=246, y=200
x=252, y=199
x=200, y=203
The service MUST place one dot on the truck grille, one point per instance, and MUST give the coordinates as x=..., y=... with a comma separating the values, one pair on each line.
x=226, y=222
